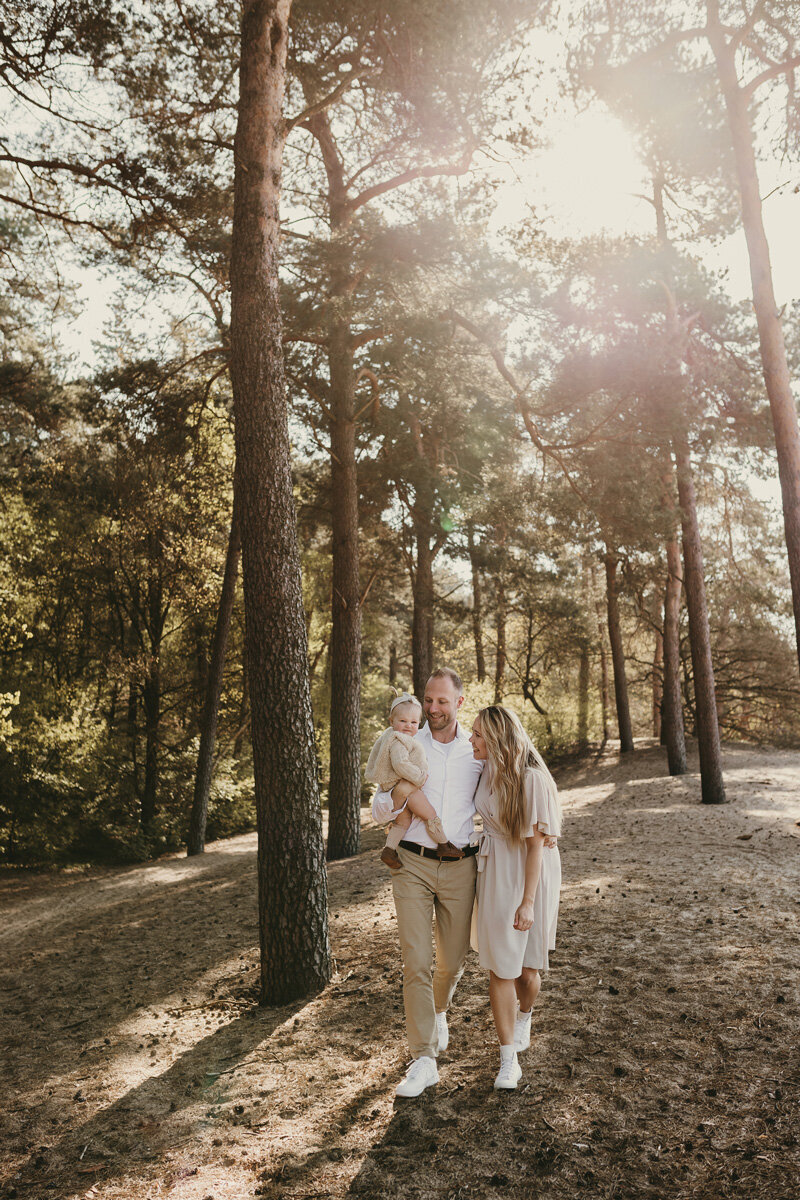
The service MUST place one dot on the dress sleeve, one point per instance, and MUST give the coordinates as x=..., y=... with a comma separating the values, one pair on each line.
x=402, y=764
x=543, y=811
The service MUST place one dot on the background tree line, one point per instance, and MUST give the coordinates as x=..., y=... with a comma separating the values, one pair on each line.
x=534, y=458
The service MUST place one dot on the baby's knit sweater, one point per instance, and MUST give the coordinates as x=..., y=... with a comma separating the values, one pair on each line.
x=396, y=756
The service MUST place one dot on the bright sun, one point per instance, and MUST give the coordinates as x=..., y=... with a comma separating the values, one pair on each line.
x=582, y=182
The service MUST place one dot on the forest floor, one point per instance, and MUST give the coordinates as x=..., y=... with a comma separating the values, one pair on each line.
x=136, y=1063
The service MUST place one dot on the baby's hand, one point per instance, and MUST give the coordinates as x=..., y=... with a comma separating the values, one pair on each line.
x=550, y=842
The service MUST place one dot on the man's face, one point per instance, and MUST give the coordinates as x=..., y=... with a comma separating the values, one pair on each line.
x=441, y=702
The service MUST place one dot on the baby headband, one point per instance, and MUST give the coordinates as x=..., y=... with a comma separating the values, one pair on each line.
x=405, y=698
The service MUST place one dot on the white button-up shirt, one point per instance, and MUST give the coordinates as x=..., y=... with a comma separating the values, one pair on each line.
x=453, y=776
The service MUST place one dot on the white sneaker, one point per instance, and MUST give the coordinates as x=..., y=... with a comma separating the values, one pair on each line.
x=509, y=1074
x=522, y=1031
x=443, y=1032
x=421, y=1074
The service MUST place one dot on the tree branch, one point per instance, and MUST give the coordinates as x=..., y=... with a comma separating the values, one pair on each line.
x=321, y=105
x=389, y=185
x=781, y=68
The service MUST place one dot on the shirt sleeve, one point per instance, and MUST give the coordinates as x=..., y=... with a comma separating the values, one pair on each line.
x=382, y=807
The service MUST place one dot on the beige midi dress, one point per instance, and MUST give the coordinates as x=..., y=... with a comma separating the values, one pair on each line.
x=501, y=882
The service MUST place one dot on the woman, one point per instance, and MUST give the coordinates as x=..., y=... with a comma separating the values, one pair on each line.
x=519, y=876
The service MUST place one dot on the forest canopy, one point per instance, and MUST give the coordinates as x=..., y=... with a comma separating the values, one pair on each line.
x=553, y=445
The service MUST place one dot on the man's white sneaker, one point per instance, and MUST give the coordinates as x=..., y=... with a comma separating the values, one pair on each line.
x=443, y=1033
x=509, y=1074
x=421, y=1074
x=522, y=1031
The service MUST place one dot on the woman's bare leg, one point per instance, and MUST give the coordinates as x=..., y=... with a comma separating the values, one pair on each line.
x=504, y=1007
x=527, y=988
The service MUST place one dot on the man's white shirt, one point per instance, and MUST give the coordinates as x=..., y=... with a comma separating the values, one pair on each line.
x=453, y=775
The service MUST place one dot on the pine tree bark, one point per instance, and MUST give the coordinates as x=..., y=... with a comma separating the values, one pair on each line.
x=768, y=316
x=604, y=691
x=392, y=665
x=712, y=787
x=292, y=886
x=671, y=703
x=583, y=699
x=344, y=794
x=500, y=656
x=658, y=681
x=477, y=606
x=151, y=691
x=617, y=655
x=196, y=839
x=151, y=702
x=601, y=645
x=244, y=706
x=423, y=593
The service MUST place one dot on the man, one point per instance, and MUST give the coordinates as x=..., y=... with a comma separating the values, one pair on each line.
x=429, y=885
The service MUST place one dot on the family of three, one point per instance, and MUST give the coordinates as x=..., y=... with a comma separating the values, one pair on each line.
x=498, y=889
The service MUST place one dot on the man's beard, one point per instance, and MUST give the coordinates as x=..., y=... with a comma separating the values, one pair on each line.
x=440, y=721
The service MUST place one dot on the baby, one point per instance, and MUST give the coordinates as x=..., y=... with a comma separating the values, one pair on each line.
x=396, y=758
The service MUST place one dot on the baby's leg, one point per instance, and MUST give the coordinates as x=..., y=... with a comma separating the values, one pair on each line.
x=394, y=837
x=397, y=828
x=420, y=805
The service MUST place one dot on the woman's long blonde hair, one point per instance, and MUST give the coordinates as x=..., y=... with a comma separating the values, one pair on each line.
x=512, y=754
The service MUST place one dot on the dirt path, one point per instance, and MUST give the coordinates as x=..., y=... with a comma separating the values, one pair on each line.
x=665, y=1062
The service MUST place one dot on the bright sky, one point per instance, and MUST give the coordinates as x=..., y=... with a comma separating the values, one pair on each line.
x=586, y=179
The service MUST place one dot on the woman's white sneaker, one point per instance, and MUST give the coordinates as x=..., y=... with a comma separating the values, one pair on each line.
x=421, y=1074
x=522, y=1031
x=510, y=1071
x=442, y=1033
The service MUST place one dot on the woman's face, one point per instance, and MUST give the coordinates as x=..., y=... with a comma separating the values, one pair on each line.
x=478, y=744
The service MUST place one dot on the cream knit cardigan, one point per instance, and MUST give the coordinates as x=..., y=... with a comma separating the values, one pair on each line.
x=396, y=756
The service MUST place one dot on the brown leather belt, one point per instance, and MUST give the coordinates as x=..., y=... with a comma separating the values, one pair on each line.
x=427, y=852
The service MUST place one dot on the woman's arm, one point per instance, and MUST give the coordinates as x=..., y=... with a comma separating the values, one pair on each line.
x=523, y=917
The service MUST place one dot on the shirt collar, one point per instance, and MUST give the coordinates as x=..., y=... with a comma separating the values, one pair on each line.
x=461, y=734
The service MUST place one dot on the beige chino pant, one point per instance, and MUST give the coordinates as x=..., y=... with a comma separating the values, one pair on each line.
x=423, y=888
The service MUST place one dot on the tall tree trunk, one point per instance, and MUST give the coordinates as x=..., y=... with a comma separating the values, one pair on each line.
x=604, y=691
x=712, y=788
x=583, y=699
x=477, y=606
x=196, y=840
x=768, y=316
x=131, y=731
x=658, y=677
x=500, y=657
x=601, y=644
x=422, y=621
x=244, y=705
x=344, y=796
x=392, y=665
x=151, y=691
x=151, y=696
x=292, y=884
x=671, y=703
x=617, y=655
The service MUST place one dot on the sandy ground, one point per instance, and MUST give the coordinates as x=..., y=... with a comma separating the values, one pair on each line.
x=665, y=1061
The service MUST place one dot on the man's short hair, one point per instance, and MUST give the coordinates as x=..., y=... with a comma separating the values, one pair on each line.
x=449, y=673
